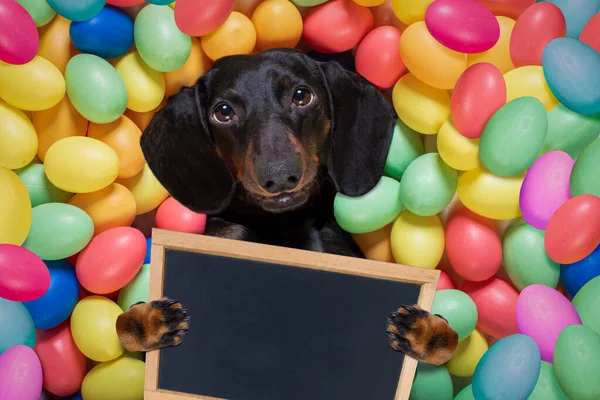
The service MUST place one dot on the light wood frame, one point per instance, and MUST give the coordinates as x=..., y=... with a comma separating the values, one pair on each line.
x=162, y=240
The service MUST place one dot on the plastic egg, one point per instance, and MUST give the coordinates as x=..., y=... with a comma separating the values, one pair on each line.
x=235, y=36
x=587, y=301
x=337, y=26
x=20, y=374
x=39, y=10
x=121, y=379
x=145, y=86
x=499, y=55
x=529, y=81
x=146, y=190
x=577, y=362
x=457, y=151
x=40, y=189
x=278, y=23
x=198, y=18
x=410, y=11
x=19, y=39
x=63, y=365
x=547, y=387
x=158, y=40
x=427, y=59
x=376, y=245
x=420, y=106
x=467, y=355
x=15, y=208
x=77, y=11
x=108, y=34
x=569, y=131
x=508, y=370
x=196, y=65
x=417, y=241
x=431, y=382
x=174, y=216
x=95, y=88
x=525, y=258
x=509, y=8
x=445, y=282
x=406, y=147
x=55, y=43
x=458, y=309
x=23, y=275
x=137, y=290
x=584, y=178
x=575, y=276
x=577, y=13
x=371, y=211
x=590, y=34
x=18, y=138
x=378, y=59
x=574, y=230
x=16, y=325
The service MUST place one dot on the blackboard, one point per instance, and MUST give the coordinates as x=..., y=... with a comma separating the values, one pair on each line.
x=269, y=323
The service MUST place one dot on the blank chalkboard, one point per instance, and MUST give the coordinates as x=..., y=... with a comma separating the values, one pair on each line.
x=269, y=323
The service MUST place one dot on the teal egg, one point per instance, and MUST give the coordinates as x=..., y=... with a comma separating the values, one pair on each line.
x=16, y=325
x=136, y=290
x=95, y=88
x=458, y=309
x=432, y=382
x=547, y=387
x=406, y=146
x=40, y=189
x=371, y=211
x=58, y=231
x=428, y=185
x=159, y=41
x=465, y=394
x=569, y=131
x=577, y=362
x=40, y=11
x=513, y=137
x=587, y=303
x=585, y=176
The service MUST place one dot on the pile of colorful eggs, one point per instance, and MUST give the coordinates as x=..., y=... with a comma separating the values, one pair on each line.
x=493, y=176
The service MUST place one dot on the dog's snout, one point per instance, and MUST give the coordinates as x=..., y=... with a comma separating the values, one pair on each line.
x=280, y=175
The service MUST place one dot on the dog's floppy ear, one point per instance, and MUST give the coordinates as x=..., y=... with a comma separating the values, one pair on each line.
x=362, y=124
x=180, y=152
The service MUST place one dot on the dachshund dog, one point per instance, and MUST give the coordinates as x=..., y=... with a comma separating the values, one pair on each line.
x=261, y=144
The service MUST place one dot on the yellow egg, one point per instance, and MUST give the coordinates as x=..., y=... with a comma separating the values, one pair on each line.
x=529, y=81
x=420, y=106
x=376, y=245
x=145, y=86
x=81, y=164
x=18, y=140
x=369, y=3
x=278, y=23
x=489, y=195
x=467, y=355
x=457, y=151
x=417, y=241
x=186, y=75
x=146, y=189
x=235, y=36
x=15, y=208
x=499, y=55
x=410, y=11
x=120, y=379
x=55, y=43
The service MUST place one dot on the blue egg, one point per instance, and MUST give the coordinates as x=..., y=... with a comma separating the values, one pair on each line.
x=574, y=276
x=78, y=10
x=508, y=370
x=109, y=34
x=148, y=248
x=571, y=70
x=576, y=12
x=58, y=302
x=16, y=325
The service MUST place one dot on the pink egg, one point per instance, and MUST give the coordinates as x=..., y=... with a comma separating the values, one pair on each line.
x=465, y=26
x=445, y=282
x=542, y=313
x=19, y=39
x=546, y=187
x=20, y=374
x=479, y=93
x=174, y=216
x=23, y=275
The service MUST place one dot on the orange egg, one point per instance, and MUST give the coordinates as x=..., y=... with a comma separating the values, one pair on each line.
x=278, y=23
x=499, y=55
x=55, y=43
x=235, y=36
x=186, y=75
x=376, y=245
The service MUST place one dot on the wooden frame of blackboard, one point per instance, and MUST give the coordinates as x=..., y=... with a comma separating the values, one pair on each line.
x=163, y=239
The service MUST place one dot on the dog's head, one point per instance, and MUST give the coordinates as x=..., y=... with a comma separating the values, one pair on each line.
x=264, y=126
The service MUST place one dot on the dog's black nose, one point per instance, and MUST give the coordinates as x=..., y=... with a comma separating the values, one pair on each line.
x=279, y=176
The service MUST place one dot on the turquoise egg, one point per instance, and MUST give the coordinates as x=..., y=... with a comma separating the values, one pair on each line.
x=458, y=309
x=432, y=382
x=16, y=325
x=569, y=131
x=587, y=303
x=508, y=370
x=137, y=290
x=571, y=70
x=40, y=189
x=585, y=177
x=406, y=146
x=547, y=387
x=77, y=10
x=58, y=231
x=576, y=12
x=513, y=137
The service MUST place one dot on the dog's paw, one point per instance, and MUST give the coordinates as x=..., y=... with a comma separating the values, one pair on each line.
x=421, y=335
x=153, y=325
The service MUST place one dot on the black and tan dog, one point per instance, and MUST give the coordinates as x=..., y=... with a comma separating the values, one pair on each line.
x=261, y=144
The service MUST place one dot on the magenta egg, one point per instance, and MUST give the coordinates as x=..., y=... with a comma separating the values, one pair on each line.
x=19, y=39
x=20, y=374
x=23, y=275
x=466, y=26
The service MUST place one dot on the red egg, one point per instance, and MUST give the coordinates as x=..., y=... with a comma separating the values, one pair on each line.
x=445, y=282
x=378, y=58
x=573, y=232
x=590, y=34
x=507, y=8
x=479, y=93
x=23, y=275
x=201, y=17
x=111, y=260
x=174, y=216
x=337, y=26
x=63, y=365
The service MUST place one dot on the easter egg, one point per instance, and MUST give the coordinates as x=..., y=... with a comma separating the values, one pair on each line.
x=39, y=10
x=576, y=13
x=545, y=188
x=81, y=164
x=18, y=138
x=525, y=258
x=19, y=39
x=420, y=106
x=467, y=355
x=15, y=208
x=457, y=151
x=428, y=185
x=529, y=81
x=16, y=325
x=278, y=23
x=577, y=362
x=376, y=245
x=174, y=216
x=40, y=189
x=585, y=178
x=478, y=94
x=186, y=75
x=235, y=36
x=337, y=26
x=137, y=290
x=63, y=365
x=108, y=34
x=111, y=260
x=93, y=327
x=77, y=11
x=458, y=309
x=542, y=313
x=23, y=275
x=55, y=43
x=547, y=387
x=198, y=18
x=575, y=276
x=417, y=241
x=574, y=230
x=378, y=59
x=569, y=131
x=20, y=374
x=424, y=57
x=58, y=231
x=406, y=146
x=499, y=54
x=119, y=379
x=410, y=11
x=146, y=190
x=371, y=211
x=431, y=382
x=587, y=301
x=158, y=40
x=95, y=88
x=508, y=370
x=509, y=8
x=590, y=34
x=145, y=86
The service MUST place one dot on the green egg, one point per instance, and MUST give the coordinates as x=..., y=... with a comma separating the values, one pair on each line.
x=95, y=88
x=547, y=387
x=569, y=131
x=159, y=41
x=525, y=258
x=41, y=190
x=458, y=309
x=58, y=231
x=587, y=303
x=137, y=290
x=308, y=3
x=577, y=362
x=371, y=211
x=585, y=177
x=428, y=185
x=465, y=394
x=40, y=11
x=406, y=147
x=432, y=382
x=513, y=137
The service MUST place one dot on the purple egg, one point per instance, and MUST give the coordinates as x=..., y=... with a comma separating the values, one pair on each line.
x=20, y=374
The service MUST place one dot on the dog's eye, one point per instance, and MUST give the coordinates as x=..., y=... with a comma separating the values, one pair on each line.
x=302, y=97
x=224, y=113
